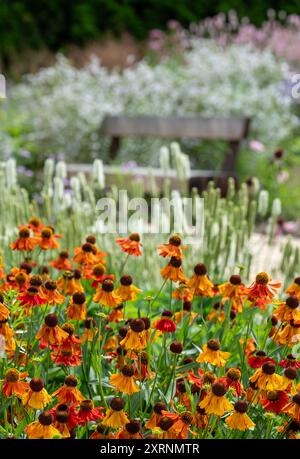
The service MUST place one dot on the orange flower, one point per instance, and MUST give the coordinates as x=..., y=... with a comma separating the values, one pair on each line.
x=294, y=288
x=262, y=291
x=288, y=310
x=156, y=416
x=31, y=297
x=266, y=379
x=293, y=408
x=51, y=294
x=97, y=274
x=114, y=416
x=91, y=239
x=62, y=262
x=183, y=292
x=68, y=393
x=46, y=239
x=215, y=402
x=173, y=270
x=234, y=291
x=25, y=241
x=181, y=423
x=117, y=314
x=43, y=428
x=36, y=396
x=4, y=311
x=88, y=412
x=72, y=343
x=233, y=379
x=69, y=282
x=106, y=295
x=212, y=354
x=8, y=335
x=186, y=311
x=131, y=431
x=127, y=291
x=35, y=224
x=275, y=401
x=124, y=381
x=131, y=244
x=172, y=249
x=85, y=255
x=200, y=283
x=90, y=330
x=239, y=419
x=51, y=334
x=13, y=385
x=77, y=309
x=290, y=334
x=135, y=337
x=217, y=314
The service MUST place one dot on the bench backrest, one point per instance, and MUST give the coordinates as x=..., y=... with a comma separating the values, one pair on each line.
x=216, y=128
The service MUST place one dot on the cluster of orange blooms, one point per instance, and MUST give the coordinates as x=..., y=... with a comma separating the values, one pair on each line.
x=83, y=328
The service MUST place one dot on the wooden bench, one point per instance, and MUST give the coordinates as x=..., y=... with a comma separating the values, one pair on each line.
x=230, y=129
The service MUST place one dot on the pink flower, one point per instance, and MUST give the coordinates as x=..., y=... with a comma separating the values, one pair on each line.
x=257, y=146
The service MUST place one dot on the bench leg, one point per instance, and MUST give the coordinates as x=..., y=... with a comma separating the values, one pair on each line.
x=229, y=163
x=114, y=147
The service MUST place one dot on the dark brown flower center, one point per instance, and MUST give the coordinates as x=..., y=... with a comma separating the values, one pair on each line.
x=165, y=423
x=126, y=280
x=45, y=418
x=167, y=313
x=241, y=406
x=262, y=278
x=290, y=373
x=78, y=298
x=186, y=417
x=134, y=237
x=51, y=320
x=108, y=286
x=200, y=269
x=87, y=405
x=176, y=347
x=175, y=262
x=273, y=396
x=213, y=345
x=127, y=371
x=218, y=389
x=117, y=404
x=175, y=240
x=98, y=270
x=12, y=375
x=133, y=426
x=36, y=384
x=91, y=239
x=268, y=368
x=46, y=233
x=71, y=381
x=292, y=302
x=24, y=233
x=137, y=325
x=296, y=399
x=235, y=279
x=159, y=407
x=50, y=285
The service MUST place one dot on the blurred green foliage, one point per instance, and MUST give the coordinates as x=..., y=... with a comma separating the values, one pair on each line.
x=54, y=23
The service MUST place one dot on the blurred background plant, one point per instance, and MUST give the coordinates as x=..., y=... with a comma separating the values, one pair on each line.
x=199, y=62
x=230, y=243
